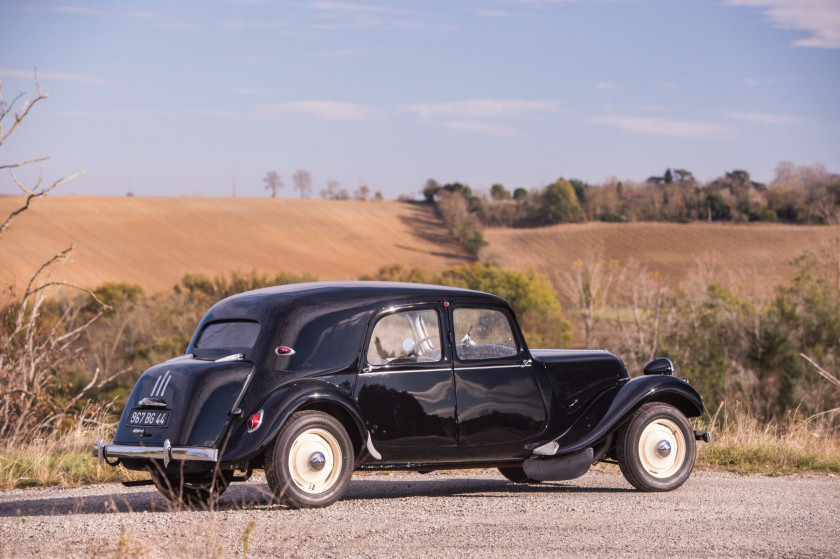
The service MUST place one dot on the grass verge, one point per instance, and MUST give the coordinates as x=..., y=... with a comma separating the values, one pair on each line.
x=743, y=444
x=740, y=443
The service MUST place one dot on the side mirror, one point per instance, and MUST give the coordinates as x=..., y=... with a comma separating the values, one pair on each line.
x=659, y=366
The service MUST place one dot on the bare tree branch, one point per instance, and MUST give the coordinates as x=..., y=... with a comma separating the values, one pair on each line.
x=22, y=163
x=33, y=194
x=823, y=373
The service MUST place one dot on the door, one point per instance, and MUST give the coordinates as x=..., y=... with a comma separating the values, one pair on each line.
x=405, y=390
x=499, y=401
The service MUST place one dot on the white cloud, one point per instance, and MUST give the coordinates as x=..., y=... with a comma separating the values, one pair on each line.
x=479, y=127
x=821, y=18
x=606, y=85
x=319, y=110
x=483, y=108
x=764, y=118
x=56, y=76
x=660, y=126
x=752, y=82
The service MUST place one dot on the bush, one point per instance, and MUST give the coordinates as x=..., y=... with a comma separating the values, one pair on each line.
x=559, y=203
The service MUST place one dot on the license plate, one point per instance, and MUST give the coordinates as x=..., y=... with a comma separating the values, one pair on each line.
x=148, y=418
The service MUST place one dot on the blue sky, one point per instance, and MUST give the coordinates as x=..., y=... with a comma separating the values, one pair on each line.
x=166, y=98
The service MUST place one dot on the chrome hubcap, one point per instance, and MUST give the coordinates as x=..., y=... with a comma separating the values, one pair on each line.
x=662, y=448
x=317, y=461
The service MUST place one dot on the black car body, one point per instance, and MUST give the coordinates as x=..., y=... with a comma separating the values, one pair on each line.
x=313, y=381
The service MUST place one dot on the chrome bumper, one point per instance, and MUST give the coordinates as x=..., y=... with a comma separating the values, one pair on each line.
x=167, y=452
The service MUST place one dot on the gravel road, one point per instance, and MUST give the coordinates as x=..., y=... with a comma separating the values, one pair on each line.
x=473, y=513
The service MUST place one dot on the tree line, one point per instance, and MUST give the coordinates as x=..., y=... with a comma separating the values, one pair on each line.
x=797, y=194
x=302, y=180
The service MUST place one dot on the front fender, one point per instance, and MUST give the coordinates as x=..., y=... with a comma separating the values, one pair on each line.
x=609, y=410
x=279, y=406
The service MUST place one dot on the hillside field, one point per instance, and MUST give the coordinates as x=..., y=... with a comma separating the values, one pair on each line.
x=759, y=254
x=153, y=242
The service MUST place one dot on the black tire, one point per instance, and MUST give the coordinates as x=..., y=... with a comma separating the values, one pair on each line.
x=193, y=491
x=644, y=465
x=288, y=461
x=516, y=474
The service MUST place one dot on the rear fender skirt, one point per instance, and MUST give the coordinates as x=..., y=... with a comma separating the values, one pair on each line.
x=595, y=424
x=281, y=404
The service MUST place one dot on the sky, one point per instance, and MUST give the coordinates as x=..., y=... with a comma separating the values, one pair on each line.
x=205, y=97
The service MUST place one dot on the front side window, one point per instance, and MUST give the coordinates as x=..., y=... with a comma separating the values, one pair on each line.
x=483, y=334
x=406, y=337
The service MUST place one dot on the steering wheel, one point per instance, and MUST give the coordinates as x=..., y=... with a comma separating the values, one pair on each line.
x=465, y=339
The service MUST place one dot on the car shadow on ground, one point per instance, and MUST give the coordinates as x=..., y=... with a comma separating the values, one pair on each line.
x=258, y=495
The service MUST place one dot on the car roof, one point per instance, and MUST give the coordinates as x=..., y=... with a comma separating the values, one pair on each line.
x=365, y=290
x=344, y=294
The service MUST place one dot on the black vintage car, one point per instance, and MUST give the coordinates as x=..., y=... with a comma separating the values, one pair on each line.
x=313, y=381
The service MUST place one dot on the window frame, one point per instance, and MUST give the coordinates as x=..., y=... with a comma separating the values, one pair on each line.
x=521, y=348
x=445, y=352
x=200, y=333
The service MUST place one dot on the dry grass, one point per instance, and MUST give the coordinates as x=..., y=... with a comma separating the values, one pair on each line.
x=64, y=460
x=760, y=254
x=797, y=444
x=153, y=242
x=740, y=444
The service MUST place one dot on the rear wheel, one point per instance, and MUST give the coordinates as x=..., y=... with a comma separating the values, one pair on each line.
x=516, y=474
x=656, y=448
x=310, y=463
x=193, y=491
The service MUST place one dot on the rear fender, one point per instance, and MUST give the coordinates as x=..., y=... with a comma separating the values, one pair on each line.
x=282, y=403
x=612, y=408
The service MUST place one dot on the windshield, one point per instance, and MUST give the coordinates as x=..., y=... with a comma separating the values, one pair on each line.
x=233, y=334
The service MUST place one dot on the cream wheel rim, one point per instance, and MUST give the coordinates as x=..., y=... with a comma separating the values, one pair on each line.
x=315, y=461
x=662, y=448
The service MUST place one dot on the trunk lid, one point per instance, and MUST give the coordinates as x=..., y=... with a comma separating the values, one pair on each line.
x=187, y=401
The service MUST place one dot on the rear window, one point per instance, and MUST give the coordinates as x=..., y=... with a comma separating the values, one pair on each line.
x=220, y=335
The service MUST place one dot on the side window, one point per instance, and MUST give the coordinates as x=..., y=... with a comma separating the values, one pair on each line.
x=406, y=337
x=483, y=334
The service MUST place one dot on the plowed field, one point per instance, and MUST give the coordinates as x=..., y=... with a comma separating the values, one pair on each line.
x=153, y=242
x=761, y=254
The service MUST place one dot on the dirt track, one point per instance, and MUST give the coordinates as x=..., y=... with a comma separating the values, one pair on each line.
x=464, y=514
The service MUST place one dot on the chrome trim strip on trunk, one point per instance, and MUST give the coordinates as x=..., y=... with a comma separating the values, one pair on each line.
x=165, y=452
x=231, y=357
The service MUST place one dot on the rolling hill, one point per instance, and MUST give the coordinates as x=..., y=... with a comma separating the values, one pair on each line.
x=761, y=254
x=153, y=242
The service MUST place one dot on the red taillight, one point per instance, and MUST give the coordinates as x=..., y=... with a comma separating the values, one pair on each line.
x=283, y=350
x=255, y=420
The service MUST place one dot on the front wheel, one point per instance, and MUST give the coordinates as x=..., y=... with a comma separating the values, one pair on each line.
x=310, y=463
x=656, y=448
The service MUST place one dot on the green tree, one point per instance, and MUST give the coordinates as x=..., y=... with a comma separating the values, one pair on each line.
x=559, y=203
x=520, y=194
x=530, y=295
x=430, y=190
x=499, y=192
x=580, y=189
